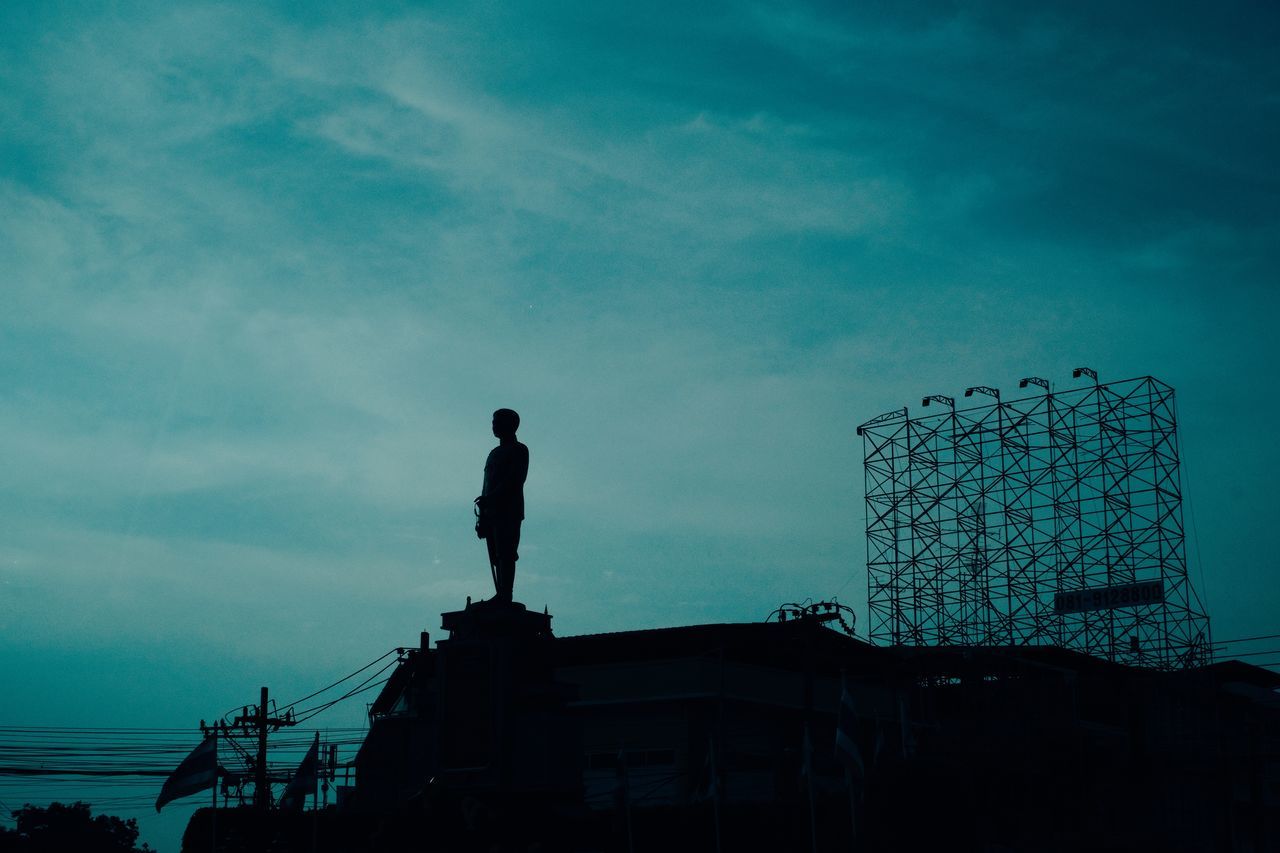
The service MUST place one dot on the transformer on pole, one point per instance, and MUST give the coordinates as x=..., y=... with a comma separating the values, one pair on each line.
x=1055, y=519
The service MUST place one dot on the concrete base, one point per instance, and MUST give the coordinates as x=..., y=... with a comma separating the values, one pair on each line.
x=484, y=621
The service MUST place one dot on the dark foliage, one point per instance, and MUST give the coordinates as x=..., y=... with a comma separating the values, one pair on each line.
x=62, y=827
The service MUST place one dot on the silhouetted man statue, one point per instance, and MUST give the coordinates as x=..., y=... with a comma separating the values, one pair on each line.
x=500, y=507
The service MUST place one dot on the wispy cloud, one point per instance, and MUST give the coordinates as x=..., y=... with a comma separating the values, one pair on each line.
x=265, y=275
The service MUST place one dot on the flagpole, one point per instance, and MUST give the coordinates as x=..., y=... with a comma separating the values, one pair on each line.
x=853, y=810
x=715, y=803
x=626, y=804
x=813, y=820
x=813, y=817
x=716, y=739
x=315, y=796
x=213, y=822
x=855, y=769
x=623, y=796
x=714, y=785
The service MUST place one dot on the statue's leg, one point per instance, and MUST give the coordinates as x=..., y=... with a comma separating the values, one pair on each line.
x=491, y=543
x=507, y=543
x=512, y=556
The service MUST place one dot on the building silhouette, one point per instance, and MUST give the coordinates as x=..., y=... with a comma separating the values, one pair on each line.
x=505, y=737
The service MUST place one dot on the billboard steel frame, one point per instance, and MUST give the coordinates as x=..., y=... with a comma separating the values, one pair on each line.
x=977, y=518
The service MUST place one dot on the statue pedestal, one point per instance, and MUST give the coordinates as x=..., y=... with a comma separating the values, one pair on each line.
x=502, y=723
x=490, y=620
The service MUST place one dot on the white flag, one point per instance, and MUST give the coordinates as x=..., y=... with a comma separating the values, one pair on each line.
x=198, y=771
x=847, y=734
x=304, y=779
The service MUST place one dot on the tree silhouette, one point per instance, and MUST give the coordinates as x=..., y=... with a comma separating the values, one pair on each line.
x=62, y=827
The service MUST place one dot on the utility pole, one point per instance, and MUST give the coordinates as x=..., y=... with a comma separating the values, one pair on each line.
x=257, y=723
x=253, y=724
x=261, y=787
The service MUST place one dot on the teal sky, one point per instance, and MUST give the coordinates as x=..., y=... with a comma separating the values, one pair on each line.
x=266, y=269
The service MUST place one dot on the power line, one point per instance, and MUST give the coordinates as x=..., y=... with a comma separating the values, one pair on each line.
x=297, y=702
x=118, y=767
x=308, y=713
x=380, y=657
x=1247, y=639
x=1254, y=654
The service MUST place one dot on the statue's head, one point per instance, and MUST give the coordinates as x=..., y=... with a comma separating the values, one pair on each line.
x=505, y=422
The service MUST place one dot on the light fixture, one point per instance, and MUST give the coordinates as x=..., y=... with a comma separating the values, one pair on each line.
x=983, y=389
x=887, y=416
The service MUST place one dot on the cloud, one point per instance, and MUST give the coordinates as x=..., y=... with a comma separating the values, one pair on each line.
x=275, y=271
x=267, y=272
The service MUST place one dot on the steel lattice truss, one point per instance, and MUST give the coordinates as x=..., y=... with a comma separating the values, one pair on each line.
x=977, y=518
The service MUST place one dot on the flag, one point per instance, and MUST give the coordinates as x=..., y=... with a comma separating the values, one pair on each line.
x=806, y=758
x=622, y=788
x=304, y=779
x=908, y=741
x=710, y=787
x=847, y=733
x=198, y=771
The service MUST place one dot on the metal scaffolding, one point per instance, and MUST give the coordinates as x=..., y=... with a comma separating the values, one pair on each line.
x=1052, y=519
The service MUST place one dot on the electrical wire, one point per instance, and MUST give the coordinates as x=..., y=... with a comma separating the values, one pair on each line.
x=39, y=752
x=302, y=716
x=1252, y=654
x=395, y=651
x=123, y=768
x=1247, y=639
x=341, y=680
